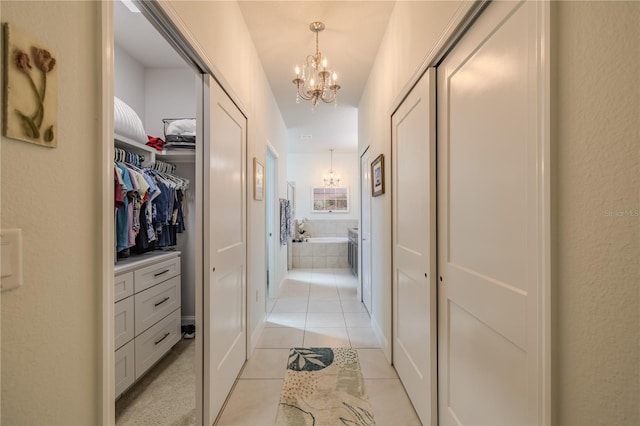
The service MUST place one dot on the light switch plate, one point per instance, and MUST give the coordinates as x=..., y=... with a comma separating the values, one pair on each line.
x=11, y=254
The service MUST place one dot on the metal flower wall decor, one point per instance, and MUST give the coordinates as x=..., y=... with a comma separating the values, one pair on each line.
x=30, y=105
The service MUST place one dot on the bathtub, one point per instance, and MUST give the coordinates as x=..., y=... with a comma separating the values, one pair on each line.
x=321, y=252
x=326, y=240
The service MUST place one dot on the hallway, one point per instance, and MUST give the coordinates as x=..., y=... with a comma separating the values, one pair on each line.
x=316, y=307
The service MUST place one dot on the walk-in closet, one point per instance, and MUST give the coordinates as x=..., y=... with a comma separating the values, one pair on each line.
x=155, y=221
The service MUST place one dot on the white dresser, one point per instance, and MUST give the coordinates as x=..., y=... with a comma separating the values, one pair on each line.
x=147, y=313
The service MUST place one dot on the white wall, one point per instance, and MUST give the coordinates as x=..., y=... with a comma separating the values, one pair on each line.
x=413, y=30
x=169, y=93
x=596, y=197
x=220, y=33
x=128, y=82
x=308, y=170
x=51, y=326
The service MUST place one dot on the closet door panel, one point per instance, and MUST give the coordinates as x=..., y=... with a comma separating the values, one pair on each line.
x=225, y=293
x=491, y=233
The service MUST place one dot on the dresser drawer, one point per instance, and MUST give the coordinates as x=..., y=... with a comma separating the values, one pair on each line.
x=124, y=367
x=156, y=303
x=155, y=342
x=123, y=286
x=123, y=318
x=151, y=275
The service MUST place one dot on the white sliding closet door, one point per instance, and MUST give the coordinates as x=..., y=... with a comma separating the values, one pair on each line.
x=224, y=242
x=414, y=243
x=365, y=230
x=491, y=221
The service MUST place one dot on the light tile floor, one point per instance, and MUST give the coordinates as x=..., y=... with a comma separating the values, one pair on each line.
x=316, y=307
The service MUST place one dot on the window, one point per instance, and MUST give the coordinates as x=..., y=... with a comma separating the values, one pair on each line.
x=330, y=200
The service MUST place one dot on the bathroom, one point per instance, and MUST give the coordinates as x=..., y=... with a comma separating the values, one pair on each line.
x=321, y=228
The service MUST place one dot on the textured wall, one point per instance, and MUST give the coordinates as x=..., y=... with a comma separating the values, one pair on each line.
x=51, y=325
x=596, y=183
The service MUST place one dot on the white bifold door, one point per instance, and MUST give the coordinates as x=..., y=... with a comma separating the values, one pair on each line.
x=414, y=243
x=491, y=220
x=224, y=241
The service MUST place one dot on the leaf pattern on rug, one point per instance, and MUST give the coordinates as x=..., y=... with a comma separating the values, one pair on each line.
x=309, y=359
x=362, y=417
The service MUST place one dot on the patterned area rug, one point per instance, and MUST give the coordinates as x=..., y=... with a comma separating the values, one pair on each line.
x=324, y=386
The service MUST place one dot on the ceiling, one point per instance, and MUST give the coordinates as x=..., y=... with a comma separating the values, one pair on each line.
x=280, y=32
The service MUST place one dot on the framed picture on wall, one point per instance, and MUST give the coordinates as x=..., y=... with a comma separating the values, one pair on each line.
x=258, y=180
x=377, y=176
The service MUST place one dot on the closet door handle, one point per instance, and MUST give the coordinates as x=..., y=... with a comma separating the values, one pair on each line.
x=163, y=337
x=161, y=273
x=161, y=302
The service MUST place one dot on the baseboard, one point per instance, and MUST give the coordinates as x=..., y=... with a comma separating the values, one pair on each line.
x=253, y=340
x=188, y=320
x=382, y=340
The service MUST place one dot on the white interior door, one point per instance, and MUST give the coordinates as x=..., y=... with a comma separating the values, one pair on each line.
x=272, y=215
x=365, y=229
x=491, y=221
x=414, y=243
x=224, y=246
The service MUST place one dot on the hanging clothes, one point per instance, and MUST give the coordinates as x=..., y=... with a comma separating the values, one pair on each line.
x=149, y=208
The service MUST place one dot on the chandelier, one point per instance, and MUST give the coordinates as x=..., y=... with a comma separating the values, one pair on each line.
x=315, y=81
x=332, y=179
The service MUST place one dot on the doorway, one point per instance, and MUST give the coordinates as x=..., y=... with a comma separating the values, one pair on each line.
x=156, y=345
x=272, y=217
x=213, y=252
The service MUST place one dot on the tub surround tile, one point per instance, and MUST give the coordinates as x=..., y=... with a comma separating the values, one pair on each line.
x=319, y=262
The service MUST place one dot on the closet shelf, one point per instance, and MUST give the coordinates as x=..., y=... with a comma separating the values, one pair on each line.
x=177, y=155
x=135, y=147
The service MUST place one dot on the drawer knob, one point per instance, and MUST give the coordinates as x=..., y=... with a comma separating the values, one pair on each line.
x=163, y=337
x=161, y=273
x=162, y=301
